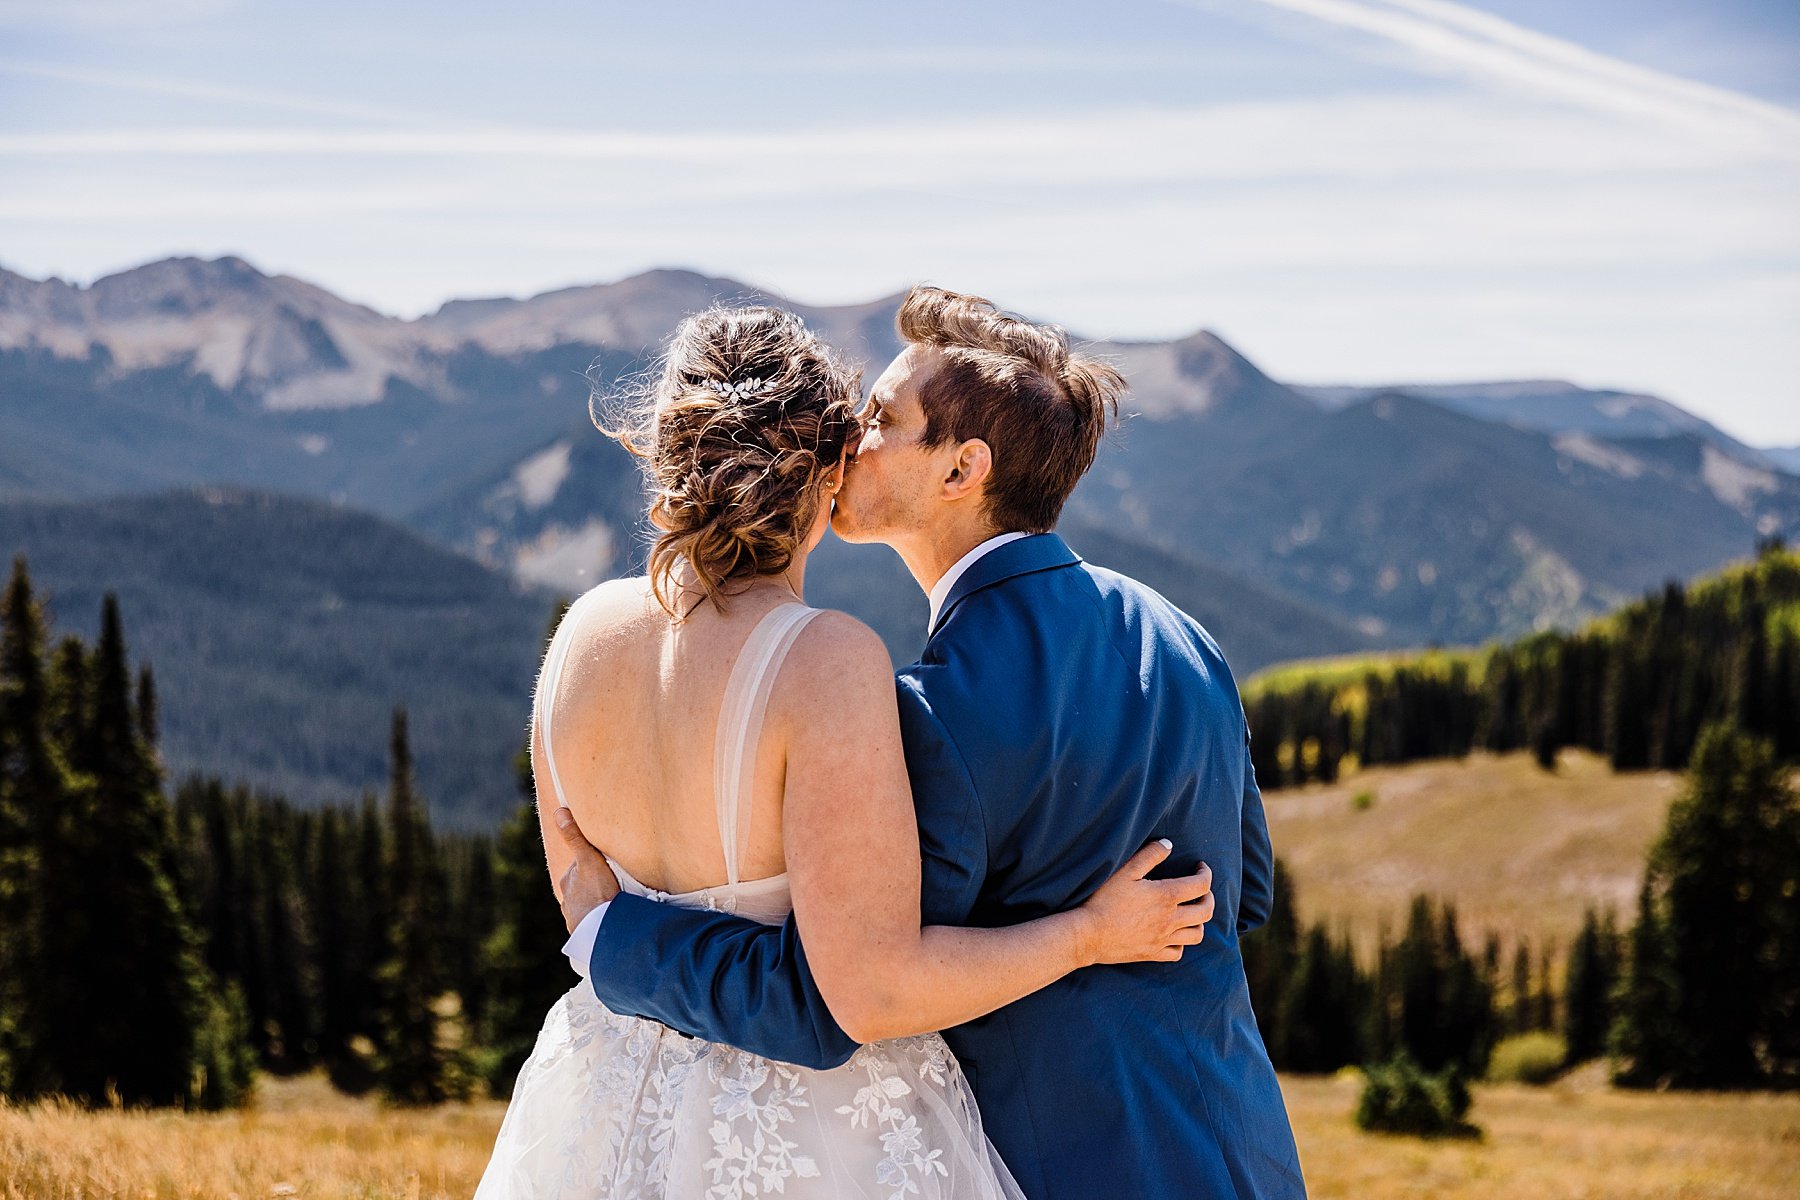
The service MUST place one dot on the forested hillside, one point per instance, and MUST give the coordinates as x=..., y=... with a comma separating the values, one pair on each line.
x=1635, y=686
x=285, y=630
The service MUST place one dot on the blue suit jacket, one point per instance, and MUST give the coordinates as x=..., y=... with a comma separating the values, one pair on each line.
x=1061, y=716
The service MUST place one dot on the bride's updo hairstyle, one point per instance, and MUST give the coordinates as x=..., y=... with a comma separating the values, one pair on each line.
x=749, y=416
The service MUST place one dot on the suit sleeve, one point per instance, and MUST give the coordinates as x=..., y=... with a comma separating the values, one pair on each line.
x=716, y=976
x=732, y=980
x=953, y=842
x=1258, y=856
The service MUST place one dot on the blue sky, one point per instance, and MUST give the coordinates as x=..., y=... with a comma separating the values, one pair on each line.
x=1347, y=190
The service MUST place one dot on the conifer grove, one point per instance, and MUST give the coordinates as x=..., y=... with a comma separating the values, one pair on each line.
x=163, y=942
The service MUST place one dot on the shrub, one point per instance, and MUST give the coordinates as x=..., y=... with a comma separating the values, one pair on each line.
x=224, y=1066
x=1398, y=1097
x=1534, y=1058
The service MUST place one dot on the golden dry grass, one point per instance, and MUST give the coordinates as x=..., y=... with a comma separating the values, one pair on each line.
x=1565, y=1142
x=1519, y=850
x=302, y=1139
x=1578, y=1141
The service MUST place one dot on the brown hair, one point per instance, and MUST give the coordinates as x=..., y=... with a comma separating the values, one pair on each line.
x=750, y=413
x=1015, y=385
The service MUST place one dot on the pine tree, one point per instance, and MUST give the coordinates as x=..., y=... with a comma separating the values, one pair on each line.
x=34, y=791
x=1321, y=1007
x=129, y=907
x=1723, y=889
x=1522, y=1014
x=334, y=900
x=468, y=885
x=525, y=965
x=1269, y=954
x=1380, y=1038
x=284, y=986
x=413, y=1064
x=1545, y=1016
x=149, y=721
x=1444, y=1010
x=367, y=945
x=1588, y=992
x=68, y=715
x=1644, y=1035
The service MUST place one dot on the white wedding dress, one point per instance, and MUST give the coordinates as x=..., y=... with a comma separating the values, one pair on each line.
x=624, y=1108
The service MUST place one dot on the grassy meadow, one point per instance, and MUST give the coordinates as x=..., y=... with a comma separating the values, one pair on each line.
x=1577, y=1140
x=1521, y=851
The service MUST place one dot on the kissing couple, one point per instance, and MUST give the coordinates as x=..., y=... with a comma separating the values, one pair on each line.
x=970, y=933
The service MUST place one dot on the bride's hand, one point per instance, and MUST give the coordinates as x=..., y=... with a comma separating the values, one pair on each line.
x=1134, y=919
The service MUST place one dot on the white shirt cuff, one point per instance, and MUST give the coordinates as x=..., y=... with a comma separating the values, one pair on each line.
x=580, y=946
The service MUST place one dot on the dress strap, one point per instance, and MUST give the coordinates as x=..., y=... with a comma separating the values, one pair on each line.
x=740, y=724
x=543, y=701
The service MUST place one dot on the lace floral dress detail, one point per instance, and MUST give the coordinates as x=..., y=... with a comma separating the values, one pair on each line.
x=624, y=1108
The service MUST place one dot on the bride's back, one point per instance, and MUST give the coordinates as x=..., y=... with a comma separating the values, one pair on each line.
x=743, y=442
x=634, y=724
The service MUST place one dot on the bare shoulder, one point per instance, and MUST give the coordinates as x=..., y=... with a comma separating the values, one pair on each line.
x=628, y=595
x=609, y=608
x=838, y=665
x=599, y=624
x=835, y=642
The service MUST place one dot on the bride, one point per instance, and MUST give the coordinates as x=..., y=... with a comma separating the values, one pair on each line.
x=733, y=748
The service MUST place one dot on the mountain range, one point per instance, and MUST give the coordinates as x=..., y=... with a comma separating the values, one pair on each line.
x=1293, y=521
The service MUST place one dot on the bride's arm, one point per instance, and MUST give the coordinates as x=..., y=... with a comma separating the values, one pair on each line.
x=852, y=845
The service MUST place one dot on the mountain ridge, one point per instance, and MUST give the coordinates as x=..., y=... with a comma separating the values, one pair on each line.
x=472, y=424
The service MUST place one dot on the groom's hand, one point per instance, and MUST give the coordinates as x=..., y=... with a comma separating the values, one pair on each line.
x=589, y=882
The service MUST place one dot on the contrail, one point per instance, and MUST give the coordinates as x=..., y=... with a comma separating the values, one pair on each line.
x=1467, y=41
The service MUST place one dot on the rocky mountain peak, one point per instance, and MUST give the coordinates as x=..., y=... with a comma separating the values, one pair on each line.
x=176, y=287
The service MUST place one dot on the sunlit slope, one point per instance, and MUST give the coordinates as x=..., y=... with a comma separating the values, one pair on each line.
x=1521, y=851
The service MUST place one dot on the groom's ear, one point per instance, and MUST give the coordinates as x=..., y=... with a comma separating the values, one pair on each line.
x=969, y=469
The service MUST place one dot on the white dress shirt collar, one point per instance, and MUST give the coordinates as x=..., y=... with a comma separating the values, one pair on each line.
x=940, y=591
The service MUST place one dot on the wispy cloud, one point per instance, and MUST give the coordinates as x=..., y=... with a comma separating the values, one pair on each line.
x=1353, y=137
x=223, y=94
x=107, y=14
x=1457, y=39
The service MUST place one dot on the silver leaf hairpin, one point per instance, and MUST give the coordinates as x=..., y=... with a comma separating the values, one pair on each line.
x=743, y=389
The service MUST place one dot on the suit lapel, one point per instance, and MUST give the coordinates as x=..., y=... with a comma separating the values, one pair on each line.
x=1038, y=552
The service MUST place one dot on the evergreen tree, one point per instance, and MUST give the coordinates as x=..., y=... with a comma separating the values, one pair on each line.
x=1522, y=1013
x=34, y=790
x=1269, y=953
x=1544, y=1018
x=1636, y=685
x=1321, y=1007
x=1644, y=1034
x=1723, y=890
x=344, y=976
x=143, y=963
x=1593, y=976
x=1380, y=1038
x=1444, y=1010
x=149, y=721
x=68, y=716
x=281, y=942
x=525, y=965
x=413, y=1063
x=102, y=988
x=468, y=884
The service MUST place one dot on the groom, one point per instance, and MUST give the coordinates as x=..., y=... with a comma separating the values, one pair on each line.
x=1060, y=717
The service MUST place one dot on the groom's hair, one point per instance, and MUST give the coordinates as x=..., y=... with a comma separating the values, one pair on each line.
x=1017, y=386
